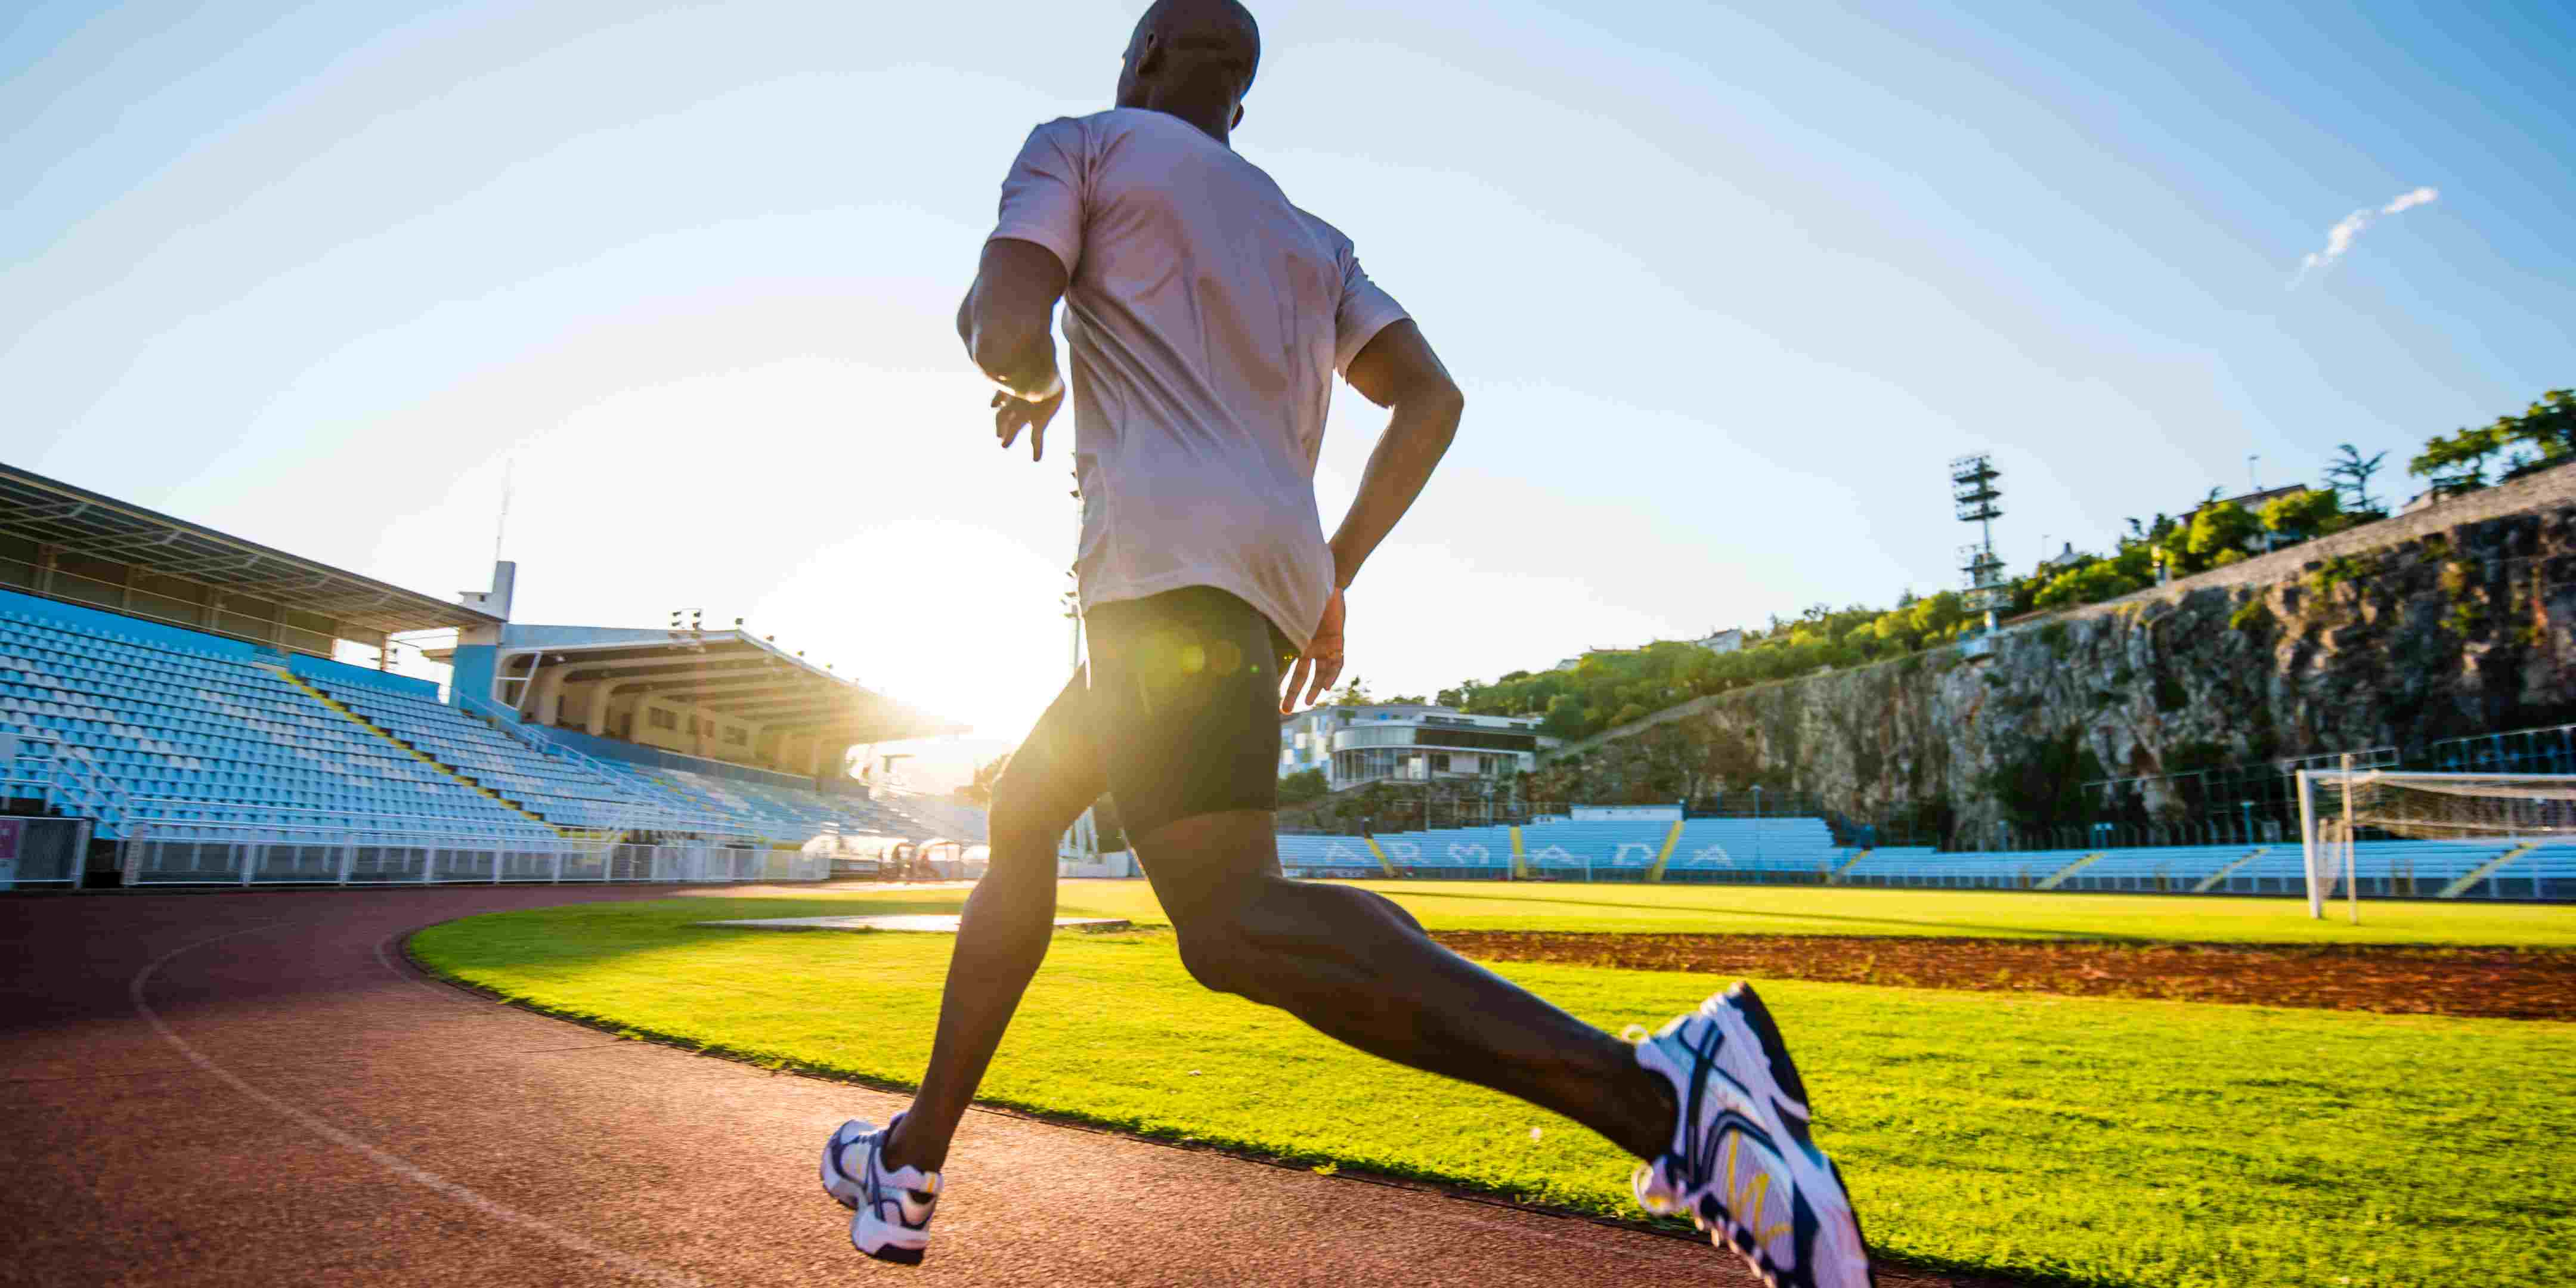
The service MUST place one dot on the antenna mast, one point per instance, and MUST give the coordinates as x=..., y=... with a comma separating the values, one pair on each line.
x=509, y=466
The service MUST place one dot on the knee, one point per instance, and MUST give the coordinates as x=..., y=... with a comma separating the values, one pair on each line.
x=1391, y=910
x=1019, y=818
x=1222, y=957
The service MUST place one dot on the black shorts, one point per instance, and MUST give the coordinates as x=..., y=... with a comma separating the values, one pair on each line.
x=1176, y=716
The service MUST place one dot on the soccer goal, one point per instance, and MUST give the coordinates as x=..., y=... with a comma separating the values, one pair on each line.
x=2478, y=822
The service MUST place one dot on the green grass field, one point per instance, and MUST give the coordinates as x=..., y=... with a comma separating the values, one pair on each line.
x=1808, y=910
x=2078, y=1140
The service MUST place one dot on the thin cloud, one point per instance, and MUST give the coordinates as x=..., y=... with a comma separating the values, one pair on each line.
x=2409, y=201
x=2347, y=230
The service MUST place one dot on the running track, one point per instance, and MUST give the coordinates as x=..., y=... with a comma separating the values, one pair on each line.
x=258, y=1089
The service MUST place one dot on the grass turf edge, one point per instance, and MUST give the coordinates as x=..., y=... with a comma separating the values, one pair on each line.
x=1319, y=1162
x=1417, y=1180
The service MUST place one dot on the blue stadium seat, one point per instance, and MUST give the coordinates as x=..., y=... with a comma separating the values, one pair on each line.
x=205, y=744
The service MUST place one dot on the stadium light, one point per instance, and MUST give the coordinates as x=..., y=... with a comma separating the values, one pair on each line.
x=1977, y=496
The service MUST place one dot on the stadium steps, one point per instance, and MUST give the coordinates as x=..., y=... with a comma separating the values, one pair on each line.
x=2053, y=879
x=1835, y=876
x=2210, y=882
x=1382, y=862
x=2470, y=879
x=299, y=682
x=1671, y=839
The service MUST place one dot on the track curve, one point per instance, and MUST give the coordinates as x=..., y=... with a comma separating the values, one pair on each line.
x=256, y=1089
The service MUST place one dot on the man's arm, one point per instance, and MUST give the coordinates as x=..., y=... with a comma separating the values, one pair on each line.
x=1396, y=370
x=1008, y=323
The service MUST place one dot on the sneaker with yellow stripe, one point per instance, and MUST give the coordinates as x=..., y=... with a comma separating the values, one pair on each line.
x=1742, y=1165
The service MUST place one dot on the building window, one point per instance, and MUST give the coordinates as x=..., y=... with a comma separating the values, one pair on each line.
x=733, y=736
x=660, y=719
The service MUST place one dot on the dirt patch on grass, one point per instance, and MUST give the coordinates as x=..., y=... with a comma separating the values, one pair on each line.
x=2506, y=983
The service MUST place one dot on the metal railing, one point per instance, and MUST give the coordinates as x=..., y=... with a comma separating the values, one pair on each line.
x=75, y=784
x=245, y=854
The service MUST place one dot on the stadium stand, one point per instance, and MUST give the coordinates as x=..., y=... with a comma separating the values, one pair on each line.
x=1720, y=845
x=206, y=741
x=1803, y=850
x=1465, y=851
x=171, y=711
x=1339, y=855
x=1593, y=849
x=562, y=793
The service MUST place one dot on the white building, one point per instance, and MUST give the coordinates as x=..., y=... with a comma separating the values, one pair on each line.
x=1407, y=742
x=1729, y=640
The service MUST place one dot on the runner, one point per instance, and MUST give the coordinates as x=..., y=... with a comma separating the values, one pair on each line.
x=1207, y=316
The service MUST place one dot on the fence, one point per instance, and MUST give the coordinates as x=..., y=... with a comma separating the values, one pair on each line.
x=42, y=851
x=200, y=854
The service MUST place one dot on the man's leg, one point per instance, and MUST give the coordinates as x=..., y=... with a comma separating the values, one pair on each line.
x=1358, y=967
x=1053, y=777
x=1186, y=690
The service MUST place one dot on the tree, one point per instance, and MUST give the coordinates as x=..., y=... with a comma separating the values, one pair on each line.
x=2096, y=580
x=2543, y=436
x=1300, y=787
x=2303, y=516
x=2456, y=463
x=1564, y=717
x=2215, y=529
x=979, y=790
x=2350, y=474
x=1354, y=694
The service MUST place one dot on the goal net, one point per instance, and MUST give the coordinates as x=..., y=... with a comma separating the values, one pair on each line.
x=2343, y=810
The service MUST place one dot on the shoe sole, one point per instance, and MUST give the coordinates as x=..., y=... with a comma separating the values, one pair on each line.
x=898, y=1256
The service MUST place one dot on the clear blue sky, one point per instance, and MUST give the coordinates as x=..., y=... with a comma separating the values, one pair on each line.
x=1726, y=290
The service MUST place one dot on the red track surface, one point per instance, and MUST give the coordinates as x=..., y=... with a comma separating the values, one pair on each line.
x=257, y=1089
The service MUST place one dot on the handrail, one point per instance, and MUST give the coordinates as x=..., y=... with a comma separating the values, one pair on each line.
x=186, y=802
x=86, y=783
x=647, y=813
x=537, y=740
x=248, y=832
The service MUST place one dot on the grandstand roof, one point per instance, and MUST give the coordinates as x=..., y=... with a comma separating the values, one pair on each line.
x=729, y=673
x=82, y=522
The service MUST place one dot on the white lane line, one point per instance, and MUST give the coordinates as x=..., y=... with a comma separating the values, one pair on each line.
x=650, y=1271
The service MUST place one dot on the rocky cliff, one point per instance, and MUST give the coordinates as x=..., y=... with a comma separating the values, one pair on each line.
x=2456, y=619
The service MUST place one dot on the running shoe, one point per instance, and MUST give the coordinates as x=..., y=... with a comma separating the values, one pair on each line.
x=1742, y=1165
x=889, y=1210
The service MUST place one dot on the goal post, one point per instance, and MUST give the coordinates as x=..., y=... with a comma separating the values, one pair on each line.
x=2338, y=806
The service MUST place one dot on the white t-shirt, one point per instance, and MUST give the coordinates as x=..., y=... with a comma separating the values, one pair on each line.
x=1207, y=316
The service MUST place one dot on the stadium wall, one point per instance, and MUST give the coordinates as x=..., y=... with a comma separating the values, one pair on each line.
x=2457, y=619
x=470, y=673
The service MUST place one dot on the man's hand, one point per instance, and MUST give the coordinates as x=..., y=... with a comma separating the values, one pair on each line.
x=1011, y=415
x=1321, y=663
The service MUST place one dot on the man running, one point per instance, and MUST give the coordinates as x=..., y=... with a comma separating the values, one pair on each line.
x=1207, y=316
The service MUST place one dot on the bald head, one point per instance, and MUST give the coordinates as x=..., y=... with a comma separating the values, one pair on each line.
x=1194, y=59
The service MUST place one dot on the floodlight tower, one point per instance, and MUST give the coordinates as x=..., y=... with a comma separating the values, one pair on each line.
x=1975, y=490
